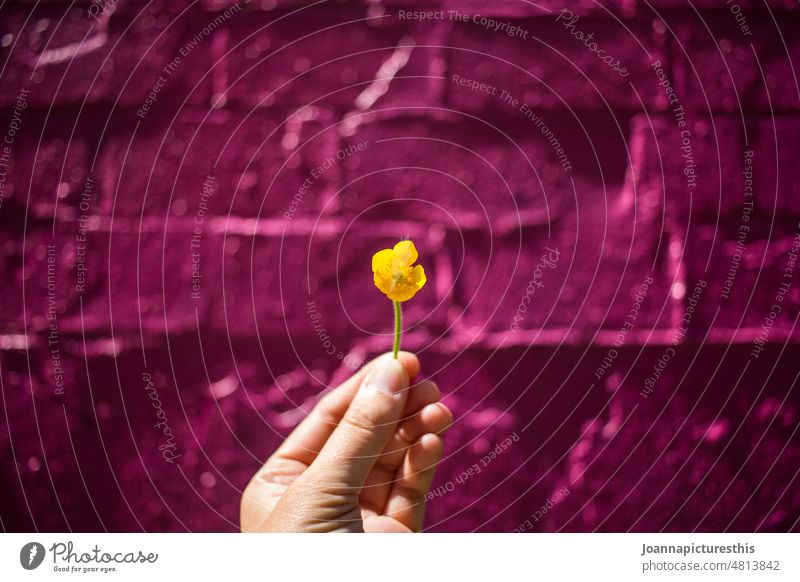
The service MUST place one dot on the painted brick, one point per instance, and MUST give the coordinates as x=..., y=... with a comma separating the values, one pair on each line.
x=587, y=284
x=521, y=169
x=40, y=446
x=689, y=172
x=116, y=59
x=101, y=281
x=423, y=158
x=776, y=164
x=551, y=68
x=756, y=273
x=526, y=9
x=467, y=7
x=693, y=431
x=51, y=162
x=271, y=5
x=718, y=68
x=9, y=269
x=257, y=161
x=330, y=60
x=732, y=9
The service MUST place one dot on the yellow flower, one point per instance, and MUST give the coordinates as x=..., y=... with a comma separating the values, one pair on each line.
x=394, y=274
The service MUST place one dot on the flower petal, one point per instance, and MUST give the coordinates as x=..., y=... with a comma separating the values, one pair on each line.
x=382, y=282
x=394, y=274
x=418, y=276
x=405, y=253
x=382, y=260
x=401, y=291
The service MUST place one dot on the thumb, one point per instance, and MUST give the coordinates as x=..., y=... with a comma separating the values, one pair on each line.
x=370, y=421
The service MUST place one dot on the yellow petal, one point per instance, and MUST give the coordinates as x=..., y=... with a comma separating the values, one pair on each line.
x=393, y=273
x=382, y=260
x=406, y=253
x=419, y=277
x=382, y=282
x=401, y=291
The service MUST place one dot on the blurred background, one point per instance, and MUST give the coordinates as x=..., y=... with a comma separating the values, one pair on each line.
x=604, y=196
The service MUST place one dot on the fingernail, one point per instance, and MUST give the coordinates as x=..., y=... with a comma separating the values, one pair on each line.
x=389, y=376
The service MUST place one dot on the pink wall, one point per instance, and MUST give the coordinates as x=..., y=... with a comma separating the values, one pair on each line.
x=180, y=181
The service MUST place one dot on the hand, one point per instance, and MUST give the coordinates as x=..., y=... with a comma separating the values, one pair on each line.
x=362, y=461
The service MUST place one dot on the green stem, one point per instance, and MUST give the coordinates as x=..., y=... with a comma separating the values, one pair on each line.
x=398, y=327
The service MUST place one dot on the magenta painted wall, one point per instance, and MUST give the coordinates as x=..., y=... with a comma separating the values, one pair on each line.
x=606, y=198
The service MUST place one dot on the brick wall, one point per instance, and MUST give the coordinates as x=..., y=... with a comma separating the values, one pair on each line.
x=181, y=180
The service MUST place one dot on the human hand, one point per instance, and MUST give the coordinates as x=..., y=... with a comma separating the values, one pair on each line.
x=361, y=461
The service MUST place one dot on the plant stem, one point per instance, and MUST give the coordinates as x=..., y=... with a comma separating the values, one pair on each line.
x=398, y=327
